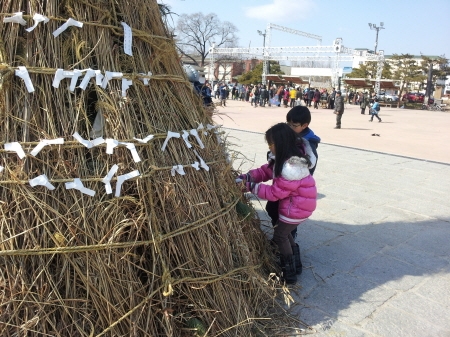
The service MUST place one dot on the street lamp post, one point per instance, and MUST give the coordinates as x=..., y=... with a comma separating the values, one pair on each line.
x=373, y=26
x=265, y=71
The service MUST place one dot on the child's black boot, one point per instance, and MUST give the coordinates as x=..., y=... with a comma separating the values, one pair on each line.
x=298, y=260
x=288, y=272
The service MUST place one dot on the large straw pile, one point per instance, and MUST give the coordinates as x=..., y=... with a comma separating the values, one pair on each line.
x=171, y=252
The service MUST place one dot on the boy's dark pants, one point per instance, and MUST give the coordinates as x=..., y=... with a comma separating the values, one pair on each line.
x=272, y=210
x=338, y=120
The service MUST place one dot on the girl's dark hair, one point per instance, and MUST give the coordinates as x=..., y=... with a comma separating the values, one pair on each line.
x=286, y=145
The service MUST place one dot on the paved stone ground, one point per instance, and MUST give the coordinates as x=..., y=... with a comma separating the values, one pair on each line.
x=376, y=252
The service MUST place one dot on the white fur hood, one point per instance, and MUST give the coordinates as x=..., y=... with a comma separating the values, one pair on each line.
x=295, y=168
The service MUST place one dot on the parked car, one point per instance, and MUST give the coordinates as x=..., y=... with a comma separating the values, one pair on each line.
x=382, y=96
x=413, y=97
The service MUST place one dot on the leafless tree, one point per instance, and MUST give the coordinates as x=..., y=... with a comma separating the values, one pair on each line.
x=195, y=34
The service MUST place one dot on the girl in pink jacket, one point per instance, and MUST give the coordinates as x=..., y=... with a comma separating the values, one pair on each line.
x=292, y=185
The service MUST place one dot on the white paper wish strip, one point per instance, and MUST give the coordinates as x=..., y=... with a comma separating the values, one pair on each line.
x=196, y=165
x=77, y=184
x=125, y=86
x=89, y=74
x=132, y=148
x=1, y=168
x=22, y=72
x=202, y=128
x=44, y=143
x=170, y=134
x=107, y=180
x=177, y=168
x=144, y=79
x=76, y=73
x=210, y=127
x=145, y=140
x=98, y=141
x=67, y=24
x=83, y=141
x=122, y=178
x=195, y=134
x=185, y=138
x=202, y=162
x=38, y=18
x=109, y=75
x=110, y=145
x=42, y=180
x=127, y=39
x=60, y=74
x=16, y=18
x=15, y=147
x=98, y=77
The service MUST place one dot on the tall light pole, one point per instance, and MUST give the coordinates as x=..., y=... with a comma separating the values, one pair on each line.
x=265, y=71
x=373, y=26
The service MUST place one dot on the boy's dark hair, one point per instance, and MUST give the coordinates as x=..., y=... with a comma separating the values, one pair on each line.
x=284, y=139
x=299, y=114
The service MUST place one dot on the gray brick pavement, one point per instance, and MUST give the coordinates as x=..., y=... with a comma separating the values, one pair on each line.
x=377, y=249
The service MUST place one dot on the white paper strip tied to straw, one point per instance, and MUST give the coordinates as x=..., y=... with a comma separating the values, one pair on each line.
x=15, y=147
x=210, y=127
x=98, y=141
x=83, y=141
x=16, y=18
x=202, y=128
x=41, y=180
x=87, y=77
x=127, y=39
x=38, y=18
x=76, y=73
x=122, y=178
x=132, y=148
x=110, y=145
x=195, y=134
x=77, y=184
x=107, y=179
x=1, y=169
x=146, y=80
x=22, y=72
x=170, y=134
x=45, y=142
x=196, y=165
x=202, y=162
x=177, y=168
x=185, y=138
x=145, y=140
x=61, y=74
x=67, y=24
x=109, y=75
x=125, y=86
x=98, y=77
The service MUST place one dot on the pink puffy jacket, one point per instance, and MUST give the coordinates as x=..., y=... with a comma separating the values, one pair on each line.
x=295, y=189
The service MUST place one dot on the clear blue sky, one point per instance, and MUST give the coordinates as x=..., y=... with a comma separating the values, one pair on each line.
x=411, y=26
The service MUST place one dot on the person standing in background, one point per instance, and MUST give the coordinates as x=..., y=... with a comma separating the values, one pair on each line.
x=364, y=103
x=292, y=96
x=338, y=109
x=316, y=99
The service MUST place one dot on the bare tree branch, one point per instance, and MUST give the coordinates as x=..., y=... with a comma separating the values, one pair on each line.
x=197, y=32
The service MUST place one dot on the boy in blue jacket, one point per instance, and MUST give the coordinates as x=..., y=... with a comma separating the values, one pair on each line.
x=374, y=110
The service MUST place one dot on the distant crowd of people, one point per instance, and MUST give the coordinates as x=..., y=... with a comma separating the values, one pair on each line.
x=286, y=96
x=261, y=95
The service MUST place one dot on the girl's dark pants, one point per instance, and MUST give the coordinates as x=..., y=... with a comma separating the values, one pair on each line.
x=283, y=238
x=272, y=210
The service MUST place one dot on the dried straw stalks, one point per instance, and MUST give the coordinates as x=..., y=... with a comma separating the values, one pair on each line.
x=168, y=254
